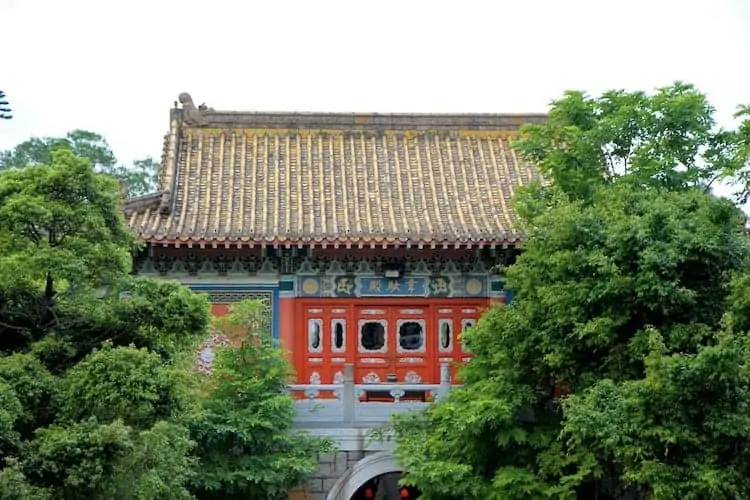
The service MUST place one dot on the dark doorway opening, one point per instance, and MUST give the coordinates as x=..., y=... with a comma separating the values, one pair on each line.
x=385, y=487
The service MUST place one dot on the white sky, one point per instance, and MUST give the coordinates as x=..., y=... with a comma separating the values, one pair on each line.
x=116, y=67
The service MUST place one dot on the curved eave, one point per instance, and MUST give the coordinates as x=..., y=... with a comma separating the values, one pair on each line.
x=512, y=239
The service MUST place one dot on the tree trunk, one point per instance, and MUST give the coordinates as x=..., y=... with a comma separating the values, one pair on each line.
x=49, y=289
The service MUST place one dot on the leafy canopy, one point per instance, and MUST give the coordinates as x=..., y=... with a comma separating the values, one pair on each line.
x=620, y=369
x=99, y=397
x=93, y=387
x=138, y=179
x=61, y=223
x=667, y=140
x=245, y=441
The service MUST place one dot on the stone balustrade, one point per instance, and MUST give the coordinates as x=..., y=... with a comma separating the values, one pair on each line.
x=362, y=405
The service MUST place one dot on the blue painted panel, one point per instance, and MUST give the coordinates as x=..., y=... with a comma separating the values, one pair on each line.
x=390, y=287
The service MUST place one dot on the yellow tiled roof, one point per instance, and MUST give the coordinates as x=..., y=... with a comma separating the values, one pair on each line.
x=300, y=178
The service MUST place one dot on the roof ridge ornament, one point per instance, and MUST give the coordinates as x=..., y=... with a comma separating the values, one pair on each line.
x=409, y=124
x=192, y=115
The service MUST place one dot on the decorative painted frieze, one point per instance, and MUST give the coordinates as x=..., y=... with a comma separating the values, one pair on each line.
x=437, y=286
x=230, y=262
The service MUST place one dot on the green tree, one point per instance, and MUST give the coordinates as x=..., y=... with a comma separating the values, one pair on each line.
x=14, y=484
x=5, y=111
x=668, y=140
x=245, y=441
x=36, y=389
x=93, y=381
x=681, y=431
x=38, y=151
x=742, y=179
x=99, y=394
x=620, y=297
x=61, y=224
x=88, y=459
x=11, y=411
x=61, y=230
x=125, y=383
x=138, y=179
x=164, y=317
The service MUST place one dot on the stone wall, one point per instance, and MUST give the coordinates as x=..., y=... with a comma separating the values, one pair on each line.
x=358, y=457
x=332, y=467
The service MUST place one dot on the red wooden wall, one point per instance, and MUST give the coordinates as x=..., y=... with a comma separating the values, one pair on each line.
x=417, y=334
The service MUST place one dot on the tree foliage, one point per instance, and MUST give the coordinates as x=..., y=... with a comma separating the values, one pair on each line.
x=5, y=111
x=88, y=459
x=246, y=445
x=681, y=430
x=620, y=370
x=99, y=397
x=93, y=387
x=138, y=179
x=125, y=383
x=742, y=179
x=61, y=223
x=667, y=140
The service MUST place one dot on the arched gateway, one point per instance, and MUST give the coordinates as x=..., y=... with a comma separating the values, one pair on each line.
x=378, y=465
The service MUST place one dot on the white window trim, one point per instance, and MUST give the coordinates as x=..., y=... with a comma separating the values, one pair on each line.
x=421, y=323
x=451, y=334
x=464, y=322
x=334, y=322
x=361, y=348
x=310, y=324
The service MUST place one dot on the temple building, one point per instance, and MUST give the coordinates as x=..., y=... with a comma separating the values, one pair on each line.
x=373, y=239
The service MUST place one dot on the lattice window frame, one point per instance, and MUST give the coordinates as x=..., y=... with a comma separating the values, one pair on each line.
x=232, y=296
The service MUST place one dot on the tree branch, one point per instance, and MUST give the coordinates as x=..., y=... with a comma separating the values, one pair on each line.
x=17, y=328
x=33, y=232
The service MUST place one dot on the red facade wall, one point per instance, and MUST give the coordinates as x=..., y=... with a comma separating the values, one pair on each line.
x=418, y=334
x=437, y=318
x=426, y=321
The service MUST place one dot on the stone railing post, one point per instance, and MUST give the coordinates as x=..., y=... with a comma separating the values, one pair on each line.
x=349, y=396
x=445, y=379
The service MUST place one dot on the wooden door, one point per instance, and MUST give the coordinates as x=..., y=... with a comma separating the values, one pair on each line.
x=326, y=343
x=451, y=320
x=445, y=338
x=412, y=353
x=392, y=342
x=468, y=317
x=374, y=343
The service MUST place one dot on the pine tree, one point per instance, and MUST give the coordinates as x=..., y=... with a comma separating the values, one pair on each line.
x=5, y=111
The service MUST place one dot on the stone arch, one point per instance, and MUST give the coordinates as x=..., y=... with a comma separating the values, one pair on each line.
x=382, y=462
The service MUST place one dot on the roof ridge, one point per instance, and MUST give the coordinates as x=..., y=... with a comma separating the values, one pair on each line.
x=205, y=116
